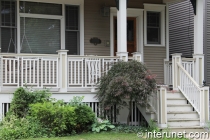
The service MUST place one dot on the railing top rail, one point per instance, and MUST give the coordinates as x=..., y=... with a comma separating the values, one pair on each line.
x=27, y=55
x=90, y=56
x=188, y=75
x=188, y=59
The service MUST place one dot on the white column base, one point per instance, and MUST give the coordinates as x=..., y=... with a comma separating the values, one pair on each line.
x=123, y=56
x=137, y=56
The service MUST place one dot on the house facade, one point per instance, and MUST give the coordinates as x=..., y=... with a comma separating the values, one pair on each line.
x=67, y=45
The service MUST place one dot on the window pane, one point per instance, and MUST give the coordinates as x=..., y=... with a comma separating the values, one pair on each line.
x=153, y=35
x=8, y=13
x=40, y=8
x=8, y=40
x=40, y=35
x=153, y=19
x=72, y=42
x=72, y=17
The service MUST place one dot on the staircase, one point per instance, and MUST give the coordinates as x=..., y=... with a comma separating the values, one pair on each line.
x=181, y=116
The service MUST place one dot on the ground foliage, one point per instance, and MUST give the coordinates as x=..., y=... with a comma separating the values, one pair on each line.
x=126, y=82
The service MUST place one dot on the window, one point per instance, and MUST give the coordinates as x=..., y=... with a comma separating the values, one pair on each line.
x=153, y=27
x=154, y=21
x=43, y=27
x=8, y=30
x=40, y=35
x=72, y=29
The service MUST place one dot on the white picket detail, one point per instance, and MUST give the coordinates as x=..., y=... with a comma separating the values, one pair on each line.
x=188, y=65
x=30, y=70
x=153, y=100
x=168, y=73
x=49, y=71
x=10, y=70
x=189, y=88
x=86, y=71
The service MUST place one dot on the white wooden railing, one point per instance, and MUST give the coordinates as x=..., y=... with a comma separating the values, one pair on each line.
x=187, y=63
x=189, y=88
x=184, y=75
x=85, y=71
x=32, y=70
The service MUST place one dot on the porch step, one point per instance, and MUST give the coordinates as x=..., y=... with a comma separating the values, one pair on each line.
x=182, y=115
x=183, y=122
x=188, y=129
x=183, y=107
x=175, y=94
x=177, y=101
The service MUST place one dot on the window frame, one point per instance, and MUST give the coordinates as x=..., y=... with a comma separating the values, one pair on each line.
x=10, y=27
x=155, y=8
x=79, y=3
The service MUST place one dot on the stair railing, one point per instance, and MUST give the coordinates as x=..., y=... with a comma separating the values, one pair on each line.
x=196, y=95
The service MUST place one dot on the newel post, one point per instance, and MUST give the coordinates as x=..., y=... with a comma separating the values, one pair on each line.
x=162, y=107
x=176, y=58
x=137, y=56
x=62, y=70
x=199, y=68
x=204, y=106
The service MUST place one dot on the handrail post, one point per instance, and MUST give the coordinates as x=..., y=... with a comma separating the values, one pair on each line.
x=162, y=107
x=204, y=106
x=176, y=58
x=62, y=70
x=137, y=56
x=199, y=68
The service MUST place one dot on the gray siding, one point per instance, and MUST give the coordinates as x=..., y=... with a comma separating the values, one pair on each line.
x=154, y=60
x=207, y=42
x=98, y=26
x=181, y=28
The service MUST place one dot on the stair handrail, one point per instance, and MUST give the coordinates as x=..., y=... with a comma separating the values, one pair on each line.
x=189, y=88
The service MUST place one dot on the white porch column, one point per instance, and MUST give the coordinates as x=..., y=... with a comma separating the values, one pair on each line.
x=198, y=42
x=122, y=30
x=62, y=77
x=198, y=27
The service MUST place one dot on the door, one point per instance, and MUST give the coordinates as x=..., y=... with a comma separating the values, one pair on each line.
x=131, y=35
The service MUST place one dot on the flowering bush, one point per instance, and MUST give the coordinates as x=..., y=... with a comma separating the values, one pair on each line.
x=126, y=82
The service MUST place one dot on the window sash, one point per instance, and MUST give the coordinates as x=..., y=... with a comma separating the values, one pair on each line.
x=8, y=42
x=149, y=26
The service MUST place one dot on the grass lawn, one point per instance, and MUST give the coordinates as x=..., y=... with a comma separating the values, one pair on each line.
x=100, y=136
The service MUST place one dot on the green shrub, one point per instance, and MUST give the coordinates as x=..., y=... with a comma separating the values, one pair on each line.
x=14, y=128
x=85, y=118
x=58, y=118
x=23, y=97
x=102, y=125
x=125, y=82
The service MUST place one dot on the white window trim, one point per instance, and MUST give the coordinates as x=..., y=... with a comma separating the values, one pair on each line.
x=131, y=12
x=155, y=8
x=79, y=3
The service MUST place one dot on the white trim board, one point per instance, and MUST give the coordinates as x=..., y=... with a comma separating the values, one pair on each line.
x=131, y=12
x=155, y=8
